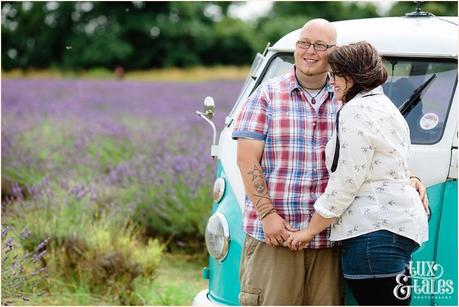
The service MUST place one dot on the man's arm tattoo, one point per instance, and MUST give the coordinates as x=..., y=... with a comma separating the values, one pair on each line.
x=263, y=202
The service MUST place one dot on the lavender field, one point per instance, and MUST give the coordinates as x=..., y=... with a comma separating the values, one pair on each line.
x=108, y=174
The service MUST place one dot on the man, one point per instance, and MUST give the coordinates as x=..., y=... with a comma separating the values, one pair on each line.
x=282, y=132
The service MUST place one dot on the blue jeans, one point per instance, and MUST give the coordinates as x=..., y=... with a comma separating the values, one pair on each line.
x=376, y=254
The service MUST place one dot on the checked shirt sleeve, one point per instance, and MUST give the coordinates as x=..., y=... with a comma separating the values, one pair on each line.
x=355, y=158
x=252, y=122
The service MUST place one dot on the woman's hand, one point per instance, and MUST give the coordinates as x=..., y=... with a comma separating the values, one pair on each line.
x=416, y=183
x=298, y=240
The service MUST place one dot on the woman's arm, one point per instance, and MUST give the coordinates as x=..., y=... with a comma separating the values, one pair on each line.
x=357, y=136
x=299, y=239
x=356, y=156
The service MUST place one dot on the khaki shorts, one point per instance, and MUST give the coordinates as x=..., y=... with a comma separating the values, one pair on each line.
x=277, y=276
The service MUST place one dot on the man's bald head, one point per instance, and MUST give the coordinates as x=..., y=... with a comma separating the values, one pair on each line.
x=323, y=26
x=311, y=65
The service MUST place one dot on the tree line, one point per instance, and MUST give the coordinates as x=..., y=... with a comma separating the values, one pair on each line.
x=141, y=35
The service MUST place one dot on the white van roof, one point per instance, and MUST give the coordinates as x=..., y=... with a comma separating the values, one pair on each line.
x=401, y=36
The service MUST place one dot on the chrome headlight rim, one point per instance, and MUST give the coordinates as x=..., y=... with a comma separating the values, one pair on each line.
x=219, y=189
x=221, y=255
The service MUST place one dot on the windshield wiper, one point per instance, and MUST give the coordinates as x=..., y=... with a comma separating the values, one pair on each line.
x=415, y=97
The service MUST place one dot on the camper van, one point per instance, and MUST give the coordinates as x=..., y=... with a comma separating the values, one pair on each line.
x=415, y=48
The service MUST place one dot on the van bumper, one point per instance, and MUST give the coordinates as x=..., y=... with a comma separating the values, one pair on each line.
x=201, y=299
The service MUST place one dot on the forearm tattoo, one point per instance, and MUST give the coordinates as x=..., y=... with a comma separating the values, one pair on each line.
x=262, y=202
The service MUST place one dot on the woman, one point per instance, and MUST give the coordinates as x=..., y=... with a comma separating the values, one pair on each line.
x=373, y=209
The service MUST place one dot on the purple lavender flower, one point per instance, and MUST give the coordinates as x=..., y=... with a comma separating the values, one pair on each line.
x=17, y=191
x=25, y=233
x=8, y=245
x=86, y=137
x=42, y=245
x=38, y=256
x=5, y=231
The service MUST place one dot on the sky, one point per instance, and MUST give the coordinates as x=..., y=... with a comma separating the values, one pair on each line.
x=256, y=8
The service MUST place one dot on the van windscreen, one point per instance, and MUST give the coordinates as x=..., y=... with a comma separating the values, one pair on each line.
x=427, y=119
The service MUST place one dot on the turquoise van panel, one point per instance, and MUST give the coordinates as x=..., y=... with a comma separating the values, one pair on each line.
x=224, y=276
x=443, y=233
x=427, y=251
x=447, y=249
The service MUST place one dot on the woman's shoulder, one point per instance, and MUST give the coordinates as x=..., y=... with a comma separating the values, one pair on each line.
x=371, y=101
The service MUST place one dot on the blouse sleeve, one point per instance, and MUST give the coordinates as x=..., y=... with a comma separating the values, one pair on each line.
x=356, y=154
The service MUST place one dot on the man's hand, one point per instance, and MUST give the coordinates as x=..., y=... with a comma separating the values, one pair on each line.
x=417, y=184
x=276, y=229
x=299, y=239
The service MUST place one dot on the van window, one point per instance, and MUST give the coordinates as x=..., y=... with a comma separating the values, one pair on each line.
x=248, y=80
x=427, y=120
x=279, y=65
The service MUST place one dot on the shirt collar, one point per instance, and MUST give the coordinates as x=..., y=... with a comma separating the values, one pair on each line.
x=294, y=85
x=376, y=91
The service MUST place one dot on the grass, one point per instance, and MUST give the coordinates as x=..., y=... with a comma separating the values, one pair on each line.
x=192, y=74
x=179, y=279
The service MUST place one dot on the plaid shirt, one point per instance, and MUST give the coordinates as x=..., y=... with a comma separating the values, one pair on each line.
x=280, y=113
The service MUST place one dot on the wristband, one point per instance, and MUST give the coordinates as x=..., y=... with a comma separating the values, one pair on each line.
x=416, y=178
x=267, y=213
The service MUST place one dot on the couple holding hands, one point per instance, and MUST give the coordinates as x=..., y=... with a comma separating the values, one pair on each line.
x=323, y=155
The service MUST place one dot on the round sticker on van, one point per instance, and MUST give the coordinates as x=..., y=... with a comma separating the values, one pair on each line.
x=429, y=121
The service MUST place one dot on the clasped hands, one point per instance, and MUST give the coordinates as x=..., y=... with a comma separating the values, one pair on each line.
x=278, y=232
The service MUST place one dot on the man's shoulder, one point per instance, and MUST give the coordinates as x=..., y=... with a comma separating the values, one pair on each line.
x=278, y=84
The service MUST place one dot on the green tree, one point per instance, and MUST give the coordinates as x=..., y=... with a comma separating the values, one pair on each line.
x=330, y=10
x=288, y=16
x=438, y=8
x=234, y=42
x=139, y=35
x=34, y=33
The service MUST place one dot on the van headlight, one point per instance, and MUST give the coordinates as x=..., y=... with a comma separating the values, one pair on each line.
x=217, y=236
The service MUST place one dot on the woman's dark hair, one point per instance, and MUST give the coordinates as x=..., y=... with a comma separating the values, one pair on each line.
x=360, y=63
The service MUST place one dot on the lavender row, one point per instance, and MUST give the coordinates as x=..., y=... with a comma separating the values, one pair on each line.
x=89, y=136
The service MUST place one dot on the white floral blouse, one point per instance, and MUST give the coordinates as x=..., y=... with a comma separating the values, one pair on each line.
x=370, y=188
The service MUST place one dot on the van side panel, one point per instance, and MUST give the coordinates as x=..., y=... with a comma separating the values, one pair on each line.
x=447, y=246
x=427, y=251
x=224, y=276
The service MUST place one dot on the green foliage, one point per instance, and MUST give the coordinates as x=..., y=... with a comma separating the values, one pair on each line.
x=27, y=164
x=443, y=8
x=103, y=47
x=90, y=246
x=168, y=211
x=275, y=28
x=139, y=35
x=22, y=271
x=109, y=152
x=107, y=262
x=237, y=37
x=73, y=294
x=21, y=174
x=330, y=10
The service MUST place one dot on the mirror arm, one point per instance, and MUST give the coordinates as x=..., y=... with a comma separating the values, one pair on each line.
x=211, y=124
